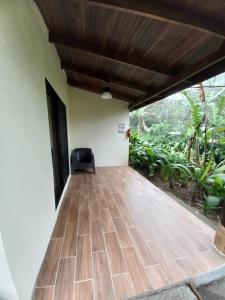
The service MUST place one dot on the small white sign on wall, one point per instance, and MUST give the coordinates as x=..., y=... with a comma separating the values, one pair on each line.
x=121, y=128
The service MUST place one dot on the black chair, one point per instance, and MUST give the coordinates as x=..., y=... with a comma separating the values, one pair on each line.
x=82, y=158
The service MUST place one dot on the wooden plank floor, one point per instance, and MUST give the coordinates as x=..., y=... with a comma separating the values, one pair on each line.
x=117, y=235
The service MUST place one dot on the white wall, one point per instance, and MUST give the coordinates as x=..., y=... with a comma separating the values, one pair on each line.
x=27, y=210
x=7, y=287
x=94, y=124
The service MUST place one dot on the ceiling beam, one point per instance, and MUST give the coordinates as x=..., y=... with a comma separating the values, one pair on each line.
x=162, y=11
x=103, y=77
x=112, y=55
x=202, y=65
x=98, y=90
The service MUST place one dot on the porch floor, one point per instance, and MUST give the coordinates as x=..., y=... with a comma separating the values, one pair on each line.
x=117, y=235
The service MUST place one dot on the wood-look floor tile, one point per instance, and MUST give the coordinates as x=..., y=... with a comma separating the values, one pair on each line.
x=146, y=227
x=213, y=258
x=102, y=278
x=106, y=218
x=136, y=270
x=84, y=222
x=174, y=273
x=102, y=203
x=201, y=246
x=118, y=199
x=60, y=225
x=73, y=211
x=70, y=240
x=129, y=222
x=98, y=243
x=92, y=195
x=116, y=260
x=145, y=251
x=107, y=193
x=94, y=210
x=127, y=218
x=98, y=191
x=174, y=249
x=157, y=276
x=84, y=290
x=149, y=231
x=123, y=285
x=65, y=279
x=113, y=208
x=49, y=266
x=83, y=203
x=186, y=246
x=122, y=232
x=65, y=206
x=187, y=266
x=83, y=259
x=201, y=264
x=43, y=293
x=206, y=238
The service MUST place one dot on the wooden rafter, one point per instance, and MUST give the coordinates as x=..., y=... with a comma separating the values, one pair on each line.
x=98, y=90
x=114, y=56
x=182, y=77
x=162, y=11
x=103, y=77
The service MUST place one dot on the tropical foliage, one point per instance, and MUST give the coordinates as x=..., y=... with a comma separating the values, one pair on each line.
x=182, y=141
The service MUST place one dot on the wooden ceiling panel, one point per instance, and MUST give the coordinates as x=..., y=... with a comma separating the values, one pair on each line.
x=134, y=35
x=144, y=49
x=101, y=84
x=54, y=15
x=98, y=64
x=210, y=8
x=211, y=45
x=97, y=86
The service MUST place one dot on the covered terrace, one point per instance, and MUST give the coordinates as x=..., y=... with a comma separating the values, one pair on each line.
x=113, y=234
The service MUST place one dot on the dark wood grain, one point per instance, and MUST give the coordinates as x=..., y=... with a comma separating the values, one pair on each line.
x=117, y=263
x=98, y=90
x=65, y=279
x=49, y=266
x=70, y=240
x=60, y=225
x=136, y=269
x=84, y=290
x=83, y=259
x=159, y=10
x=145, y=53
x=122, y=232
x=202, y=65
x=97, y=236
x=102, y=76
x=138, y=252
x=108, y=54
x=43, y=293
x=84, y=223
x=103, y=283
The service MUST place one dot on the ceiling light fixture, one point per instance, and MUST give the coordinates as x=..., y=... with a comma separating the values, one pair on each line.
x=106, y=95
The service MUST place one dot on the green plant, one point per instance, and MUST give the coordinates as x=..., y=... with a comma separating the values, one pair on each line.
x=183, y=142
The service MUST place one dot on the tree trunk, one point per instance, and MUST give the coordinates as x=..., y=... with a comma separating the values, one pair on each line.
x=139, y=126
x=219, y=241
x=222, y=216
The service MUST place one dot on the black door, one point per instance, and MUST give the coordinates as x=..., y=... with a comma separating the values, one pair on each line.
x=59, y=141
x=63, y=141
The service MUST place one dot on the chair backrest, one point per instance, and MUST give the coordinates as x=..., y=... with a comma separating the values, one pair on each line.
x=82, y=154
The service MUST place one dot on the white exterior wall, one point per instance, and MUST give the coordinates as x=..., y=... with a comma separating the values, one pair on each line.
x=94, y=124
x=27, y=205
x=27, y=211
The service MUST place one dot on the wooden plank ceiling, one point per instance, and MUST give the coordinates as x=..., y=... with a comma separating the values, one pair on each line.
x=142, y=50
